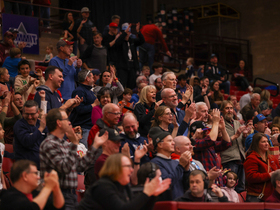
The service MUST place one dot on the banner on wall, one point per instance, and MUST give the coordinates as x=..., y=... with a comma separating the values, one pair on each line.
x=28, y=31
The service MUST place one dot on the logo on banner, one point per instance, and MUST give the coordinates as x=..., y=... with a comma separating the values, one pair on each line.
x=23, y=36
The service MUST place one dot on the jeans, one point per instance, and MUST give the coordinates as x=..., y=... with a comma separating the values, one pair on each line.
x=225, y=86
x=11, y=7
x=150, y=54
x=71, y=201
x=239, y=170
x=243, y=83
x=85, y=136
x=25, y=9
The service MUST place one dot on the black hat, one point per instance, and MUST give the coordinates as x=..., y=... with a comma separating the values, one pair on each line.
x=157, y=135
x=213, y=55
x=198, y=124
x=113, y=134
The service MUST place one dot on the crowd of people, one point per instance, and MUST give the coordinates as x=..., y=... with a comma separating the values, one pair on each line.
x=136, y=132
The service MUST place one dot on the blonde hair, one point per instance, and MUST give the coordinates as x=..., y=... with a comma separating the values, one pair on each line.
x=143, y=95
x=112, y=167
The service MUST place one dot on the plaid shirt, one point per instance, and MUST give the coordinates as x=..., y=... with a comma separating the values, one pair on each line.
x=62, y=156
x=205, y=151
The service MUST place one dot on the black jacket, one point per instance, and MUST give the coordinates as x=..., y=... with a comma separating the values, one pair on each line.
x=214, y=72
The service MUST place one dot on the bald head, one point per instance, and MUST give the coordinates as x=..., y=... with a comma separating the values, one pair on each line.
x=111, y=113
x=182, y=144
x=130, y=125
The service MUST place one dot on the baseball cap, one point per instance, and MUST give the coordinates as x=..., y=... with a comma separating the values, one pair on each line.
x=125, y=26
x=85, y=9
x=198, y=124
x=95, y=71
x=114, y=25
x=157, y=135
x=8, y=33
x=213, y=55
x=113, y=134
x=13, y=30
x=62, y=43
x=258, y=118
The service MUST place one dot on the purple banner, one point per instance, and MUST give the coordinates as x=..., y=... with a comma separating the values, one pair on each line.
x=28, y=31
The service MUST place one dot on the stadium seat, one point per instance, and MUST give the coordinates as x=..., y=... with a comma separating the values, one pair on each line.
x=81, y=187
x=7, y=164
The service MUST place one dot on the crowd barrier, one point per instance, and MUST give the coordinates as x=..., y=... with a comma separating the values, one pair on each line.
x=173, y=205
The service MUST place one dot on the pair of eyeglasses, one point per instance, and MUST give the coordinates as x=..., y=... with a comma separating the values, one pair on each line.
x=31, y=114
x=37, y=173
x=117, y=113
x=129, y=166
x=65, y=119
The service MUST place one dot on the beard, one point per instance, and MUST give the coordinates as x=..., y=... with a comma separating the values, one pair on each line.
x=228, y=117
x=131, y=135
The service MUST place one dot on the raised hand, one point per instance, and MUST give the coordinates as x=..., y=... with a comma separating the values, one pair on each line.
x=99, y=140
x=126, y=150
x=216, y=116
x=39, y=72
x=139, y=153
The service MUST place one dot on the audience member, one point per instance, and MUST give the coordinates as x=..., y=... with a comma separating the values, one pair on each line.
x=11, y=7
x=260, y=126
x=198, y=180
x=259, y=166
x=29, y=132
x=145, y=108
x=206, y=145
x=230, y=181
x=25, y=9
x=81, y=115
x=127, y=94
x=216, y=97
x=96, y=76
x=113, y=186
x=127, y=56
x=146, y=71
x=233, y=157
x=177, y=171
x=200, y=92
x=135, y=96
x=133, y=138
x=69, y=25
x=104, y=96
x=65, y=62
x=158, y=84
x=4, y=79
x=115, y=19
x=157, y=68
x=275, y=129
x=275, y=139
x=151, y=33
x=60, y=155
x=11, y=63
x=24, y=83
x=182, y=81
x=275, y=196
x=42, y=11
x=246, y=98
x=48, y=56
x=202, y=112
x=253, y=105
x=240, y=76
x=265, y=104
x=25, y=176
x=169, y=81
x=95, y=56
x=190, y=71
x=5, y=46
x=107, y=78
x=85, y=29
x=215, y=71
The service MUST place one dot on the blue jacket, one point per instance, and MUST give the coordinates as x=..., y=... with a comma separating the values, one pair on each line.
x=53, y=98
x=27, y=140
x=133, y=144
x=81, y=115
x=171, y=169
x=249, y=140
x=69, y=75
x=12, y=65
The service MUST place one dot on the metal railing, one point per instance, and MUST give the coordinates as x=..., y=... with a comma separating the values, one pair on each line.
x=270, y=82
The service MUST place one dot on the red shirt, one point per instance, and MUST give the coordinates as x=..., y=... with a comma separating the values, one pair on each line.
x=152, y=33
x=99, y=163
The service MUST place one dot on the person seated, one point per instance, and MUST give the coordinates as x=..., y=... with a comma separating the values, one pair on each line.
x=275, y=181
x=127, y=93
x=24, y=82
x=25, y=176
x=198, y=192
x=266, y=104
x=145, y=108
x=113, y=187
x=157, y=68
x=104, y=96
x=4, y=79
x=146, y=72
x=48, y=56
x=182, y=81
x=253, y=105
x=259, y=166
x=231, y=181
x=240, y=76
x=135, y=96
x=275, y=129
x=190, y=71
x=11, y=63
x=216, y=97
x=246, y=98
x=106, y=80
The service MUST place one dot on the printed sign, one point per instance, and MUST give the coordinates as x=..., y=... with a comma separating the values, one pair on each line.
x=28, y=31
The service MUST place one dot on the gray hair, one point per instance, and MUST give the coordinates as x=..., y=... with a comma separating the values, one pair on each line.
x=83, y=74
x=254, y=95
x=275, y=136
x=29, y=104
x=138, y=80
x=165, y=74
x=199, y=104
x=275, y=177
x=164, y=92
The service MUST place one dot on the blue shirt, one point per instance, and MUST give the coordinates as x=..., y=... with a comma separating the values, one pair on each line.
x=12, y=65
x=249, y=140
x=69, y=75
